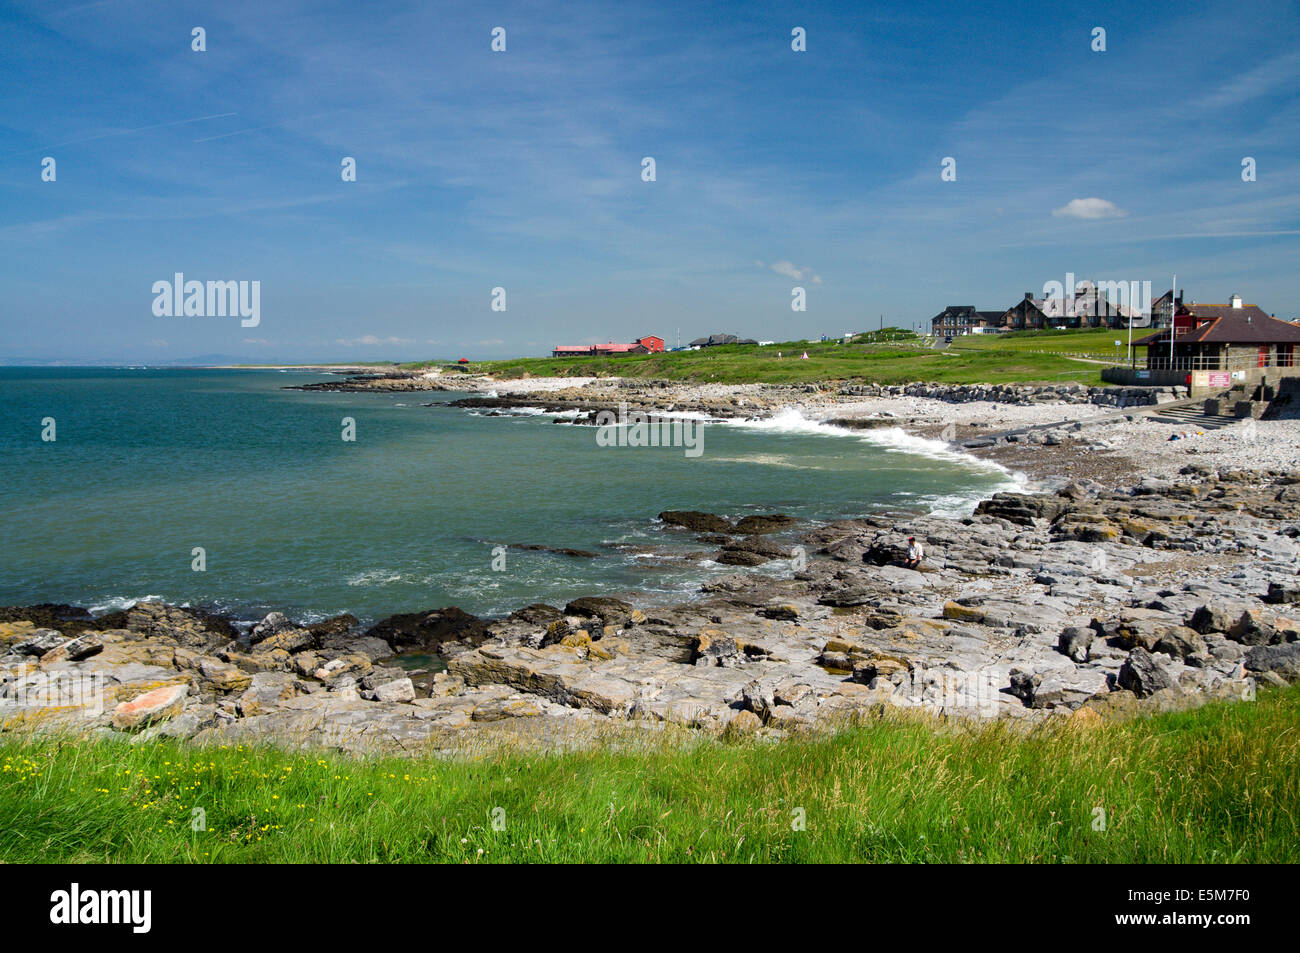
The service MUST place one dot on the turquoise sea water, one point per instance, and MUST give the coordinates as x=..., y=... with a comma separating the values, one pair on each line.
x=150, y=463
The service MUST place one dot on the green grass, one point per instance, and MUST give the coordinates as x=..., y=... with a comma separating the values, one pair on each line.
x=863, y=360
x=1096, y=343
x=1218, y=784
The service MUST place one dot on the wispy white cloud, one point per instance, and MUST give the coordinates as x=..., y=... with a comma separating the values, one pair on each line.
x=1089, y=208
x=791, y=270
x=1282, y=72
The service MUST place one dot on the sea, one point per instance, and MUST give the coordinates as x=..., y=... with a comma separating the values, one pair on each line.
x=222, y=489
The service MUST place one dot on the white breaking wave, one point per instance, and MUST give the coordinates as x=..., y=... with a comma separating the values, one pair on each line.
x=375, y=577
x=792, y=421
x=896, y=440
x=115, y=603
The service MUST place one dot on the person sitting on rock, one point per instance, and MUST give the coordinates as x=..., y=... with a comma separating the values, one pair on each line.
x=915, y=553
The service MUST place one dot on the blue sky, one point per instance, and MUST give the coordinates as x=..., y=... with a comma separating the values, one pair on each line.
x=522, y=169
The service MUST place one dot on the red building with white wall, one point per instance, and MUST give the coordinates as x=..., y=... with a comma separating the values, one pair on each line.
x=646, y=345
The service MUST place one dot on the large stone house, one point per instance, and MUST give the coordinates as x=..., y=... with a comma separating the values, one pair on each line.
x=964, y=319
x=1087, y=307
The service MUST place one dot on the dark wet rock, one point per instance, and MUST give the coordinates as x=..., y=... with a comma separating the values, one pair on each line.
x=286, y=640
x=1283, y=592
x=333, y=626
x=760, y=545
x=558, y=550
x=850, y=596
x=274, y=623
x=1253, y=627
x=741, y=557
x=751, y=551
x=1142, y=675
x=886, y=552
x=1021, y=508
x=429, y=631
x=1075, y=641
x=192, y=628
x=608, y=611
x=1216, y=617
x=69, y=620
x=696, y=521
x=732, y=582
x=759, y=525
x=1282, y=660
x=538, y=613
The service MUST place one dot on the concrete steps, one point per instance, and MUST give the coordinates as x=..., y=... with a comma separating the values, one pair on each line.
x=1192, y=416
x=1189, y=411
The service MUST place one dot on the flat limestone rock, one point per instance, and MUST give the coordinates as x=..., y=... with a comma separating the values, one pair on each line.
x=156, y=705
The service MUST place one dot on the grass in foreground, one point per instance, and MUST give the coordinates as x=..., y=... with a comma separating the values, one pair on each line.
x=864, y=360
x=1219, y=784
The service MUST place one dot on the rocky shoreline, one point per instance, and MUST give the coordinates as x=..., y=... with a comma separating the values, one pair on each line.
x=1078, y=603
x=1050, y=433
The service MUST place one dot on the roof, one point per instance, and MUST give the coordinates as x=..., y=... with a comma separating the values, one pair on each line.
x=573, y=347
x=1203, y=311
x=1224, y=324
x=714, y=339
x=969, y=309
x=1083, y=305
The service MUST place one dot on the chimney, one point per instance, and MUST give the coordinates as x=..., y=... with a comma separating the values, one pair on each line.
x=1235, y=301
x=1029, y=296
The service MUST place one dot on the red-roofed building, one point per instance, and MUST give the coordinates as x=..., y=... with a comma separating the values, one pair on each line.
x=646, y=345
x=1215, y=347
x=613, y=348
x=1223, y=337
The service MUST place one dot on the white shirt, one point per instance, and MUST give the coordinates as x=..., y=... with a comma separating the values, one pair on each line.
x=915, y=551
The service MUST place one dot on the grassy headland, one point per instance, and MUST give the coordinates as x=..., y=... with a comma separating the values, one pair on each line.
x=894, y=357
x=1216, y=784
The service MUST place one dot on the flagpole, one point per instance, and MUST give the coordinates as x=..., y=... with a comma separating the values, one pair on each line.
x=1173, y=318
x=1131, y=362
